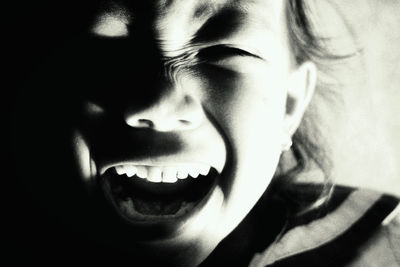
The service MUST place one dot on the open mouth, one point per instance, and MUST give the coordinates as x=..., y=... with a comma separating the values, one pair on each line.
x=149, y=193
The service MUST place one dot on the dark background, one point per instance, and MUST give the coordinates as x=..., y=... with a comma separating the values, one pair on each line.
x=32, y=31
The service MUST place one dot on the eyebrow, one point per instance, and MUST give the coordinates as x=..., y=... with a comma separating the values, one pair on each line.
x=225, y=23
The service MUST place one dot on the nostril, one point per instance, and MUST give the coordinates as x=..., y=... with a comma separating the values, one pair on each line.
x=135, y=122
x=185, y=122
x=145, y=123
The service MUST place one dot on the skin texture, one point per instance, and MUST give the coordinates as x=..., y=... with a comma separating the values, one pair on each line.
x=171, y=95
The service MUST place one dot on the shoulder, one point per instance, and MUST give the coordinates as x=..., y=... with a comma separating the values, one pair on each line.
x=361, y=228
x=383, y=247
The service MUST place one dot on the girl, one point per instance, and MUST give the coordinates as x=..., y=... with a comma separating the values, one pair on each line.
x=187, y=131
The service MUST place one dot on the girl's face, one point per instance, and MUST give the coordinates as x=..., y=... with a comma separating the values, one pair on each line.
x=198, y=89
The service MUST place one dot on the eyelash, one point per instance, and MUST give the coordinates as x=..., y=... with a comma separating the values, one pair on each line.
x=219, y=52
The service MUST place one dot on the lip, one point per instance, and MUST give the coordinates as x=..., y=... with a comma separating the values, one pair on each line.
x=169, y=221
x=160, y=226
x=142, y=147
x=162, y=161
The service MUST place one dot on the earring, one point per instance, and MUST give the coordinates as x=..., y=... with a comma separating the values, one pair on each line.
x=287, y=143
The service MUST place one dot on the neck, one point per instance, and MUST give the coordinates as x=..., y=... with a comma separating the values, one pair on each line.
x=254, y=234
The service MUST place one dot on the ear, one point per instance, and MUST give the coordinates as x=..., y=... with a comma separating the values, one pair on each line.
x=302, y=82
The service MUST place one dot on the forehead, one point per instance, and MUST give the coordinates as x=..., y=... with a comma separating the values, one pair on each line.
x=203, y=9
x=188, y=18
x=193, y=8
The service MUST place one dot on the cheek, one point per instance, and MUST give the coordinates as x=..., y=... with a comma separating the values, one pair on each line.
x=253, y=121
x=250, y=111
x=248, y=107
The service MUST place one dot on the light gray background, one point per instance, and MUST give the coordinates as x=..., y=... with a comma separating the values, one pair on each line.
x=366, y=124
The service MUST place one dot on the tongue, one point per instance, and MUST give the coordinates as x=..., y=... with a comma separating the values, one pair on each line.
x=156, y=207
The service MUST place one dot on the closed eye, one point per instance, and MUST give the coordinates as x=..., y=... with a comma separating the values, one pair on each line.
x=220, y=52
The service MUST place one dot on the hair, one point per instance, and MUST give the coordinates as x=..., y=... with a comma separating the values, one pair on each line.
x=308, y=147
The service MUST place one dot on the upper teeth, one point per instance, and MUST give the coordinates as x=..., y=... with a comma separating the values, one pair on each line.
x=168, y=174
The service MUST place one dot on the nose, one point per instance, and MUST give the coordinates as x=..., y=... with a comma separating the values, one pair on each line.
x=172, y=111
